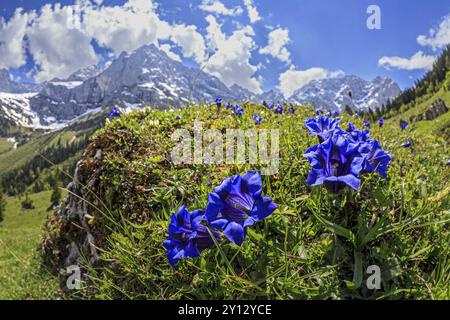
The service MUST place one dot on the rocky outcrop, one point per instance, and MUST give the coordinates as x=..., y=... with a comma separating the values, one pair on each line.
x=435, y=110
x=70, y=237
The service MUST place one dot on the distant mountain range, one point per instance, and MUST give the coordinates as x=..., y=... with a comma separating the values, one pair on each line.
x=148, y=76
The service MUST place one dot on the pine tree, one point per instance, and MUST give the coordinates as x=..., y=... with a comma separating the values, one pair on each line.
x=2, y=205
x=55, y=198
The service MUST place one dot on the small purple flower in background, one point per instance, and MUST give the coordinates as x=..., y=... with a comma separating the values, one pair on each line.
x=367, y=123
x=351, y=127
x=264, y=103
x=257, y=119
x=322, y=127
x=279, y=109
x=381, y=122
x=271, y=106
x=291, y=110
x=335, y=163
x=238, y=110
x=114, y=113
x=228, y=105
x=187, y=236
x=319, y=112
x=177, y=117
x=407, y=144
x=219, y=102
x=335, y=113
x=374, y=158
x=357, y=115
x=237, y=204
x=403, y=125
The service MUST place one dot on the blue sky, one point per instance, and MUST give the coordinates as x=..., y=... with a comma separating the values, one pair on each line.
x=310, y=39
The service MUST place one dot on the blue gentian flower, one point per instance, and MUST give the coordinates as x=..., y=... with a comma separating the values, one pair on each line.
x=319, y=112
x=407, y=144
x=228, y=105
x=187, y=236
x=374, y=158
x=335, y=163
x=114, y=113
x=367, y=123
x=219, y=102
x=238, y=110
x=291, y=110
x=335, y=113
x=257, y=119
x=177, y=117
x=279, y=109
x=403, y=125
x=322, y=127
x=381, y=122
x=236, y=204
x=357, y=136
x=264, y=103
x=271, y=106
x=351, y=127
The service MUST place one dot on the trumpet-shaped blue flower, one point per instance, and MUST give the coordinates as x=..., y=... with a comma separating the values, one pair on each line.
x=367, y=123
x=279, y=109
x=403, y=125
x=257, y=119
x=219, y=102
x=228, y=105
x=335, y=163
x=271, y=106
x=238, y=110
x=335, y=113
x=237, y=204
x=187, y=236
x=357, y=136
x=381, y=122
x=114, y=113
x=374, y=158
x=351, y=127
x=407, y=144
x=322, y=127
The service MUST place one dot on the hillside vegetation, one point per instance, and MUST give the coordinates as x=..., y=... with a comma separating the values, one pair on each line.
x=317, y=244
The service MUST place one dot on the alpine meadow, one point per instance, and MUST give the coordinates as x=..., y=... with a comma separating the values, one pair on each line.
x=224, y=150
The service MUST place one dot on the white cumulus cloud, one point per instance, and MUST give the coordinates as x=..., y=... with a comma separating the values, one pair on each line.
x=12, y=33
x=253, y=13
x=58, y=45
x=416, y=62
x=438, y=37
x=217, y=7
x=278, y=39
x=190, y=40
x=230, y=61
x=293, y=79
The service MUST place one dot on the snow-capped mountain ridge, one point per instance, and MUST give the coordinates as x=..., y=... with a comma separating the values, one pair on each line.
x=147, y=76
x=333, y=93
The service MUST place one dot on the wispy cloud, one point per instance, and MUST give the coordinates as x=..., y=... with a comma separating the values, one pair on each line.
x=293, y=79
x=276, y=47
x=417, y=61
x=437, y=37
x=252, y=12
x=217, y=7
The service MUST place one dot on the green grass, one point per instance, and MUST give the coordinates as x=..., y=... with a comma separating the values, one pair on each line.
x=294, y=253
x=21, y=273
x=5, y=145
